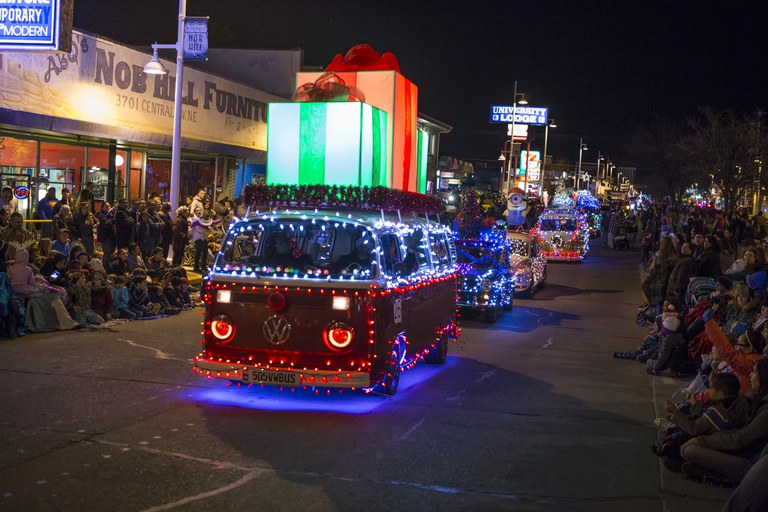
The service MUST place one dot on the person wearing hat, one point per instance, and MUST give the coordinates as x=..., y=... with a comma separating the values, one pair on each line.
x=61, y=243
x=672, y=349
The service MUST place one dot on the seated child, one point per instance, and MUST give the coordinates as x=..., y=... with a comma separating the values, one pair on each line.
x=101, y=295
x=725, y=410
x=121, y=301
x=80, y=296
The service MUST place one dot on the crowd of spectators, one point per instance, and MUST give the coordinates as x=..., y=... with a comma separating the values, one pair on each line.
x=706, y=291
x=86, y=266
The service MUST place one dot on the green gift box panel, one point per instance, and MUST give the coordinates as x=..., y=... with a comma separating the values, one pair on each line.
x=334, y=143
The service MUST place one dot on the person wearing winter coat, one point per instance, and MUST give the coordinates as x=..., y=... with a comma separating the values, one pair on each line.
x=681, y=275
x=118, y=263
x=85, y=222
x=80, y=295
x=22, y=276
x=102, y=302
x=124, y=223
x=725, y=409
x=121, y=301
x=180, y=235
x=672, y=349
x=201, y=226
x=725, y=457
x=708, y=261
x=742, y=356
x=105, y=230
x=656, y=277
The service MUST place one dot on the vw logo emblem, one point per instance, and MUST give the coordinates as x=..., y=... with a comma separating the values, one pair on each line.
x=276, y=329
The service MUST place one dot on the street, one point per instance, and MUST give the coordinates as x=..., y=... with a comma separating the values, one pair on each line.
x=531, y=413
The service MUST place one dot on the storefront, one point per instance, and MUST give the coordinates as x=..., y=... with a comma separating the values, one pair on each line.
x=95, y=116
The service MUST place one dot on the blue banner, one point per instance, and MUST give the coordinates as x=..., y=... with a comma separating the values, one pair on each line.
x=196, y=38
x=522, y=114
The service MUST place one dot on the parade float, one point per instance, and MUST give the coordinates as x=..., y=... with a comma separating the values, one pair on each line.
x=340, y=275
x=486, y=280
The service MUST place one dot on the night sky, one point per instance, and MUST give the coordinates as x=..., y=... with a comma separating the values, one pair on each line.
x=603, y=68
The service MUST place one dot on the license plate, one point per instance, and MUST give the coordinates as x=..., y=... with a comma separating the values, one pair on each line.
x=272, y=377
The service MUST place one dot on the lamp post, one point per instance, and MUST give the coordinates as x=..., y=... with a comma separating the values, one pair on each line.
x=550, y=124
x=503, y=159
x=512, y=134
x=154, y=67
x=582, y=147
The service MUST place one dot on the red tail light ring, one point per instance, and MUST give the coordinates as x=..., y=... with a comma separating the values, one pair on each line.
x=222, y=328
x=338, y=335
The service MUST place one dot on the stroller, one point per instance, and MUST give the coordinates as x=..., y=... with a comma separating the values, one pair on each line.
x=699, y=289
x=620, y=240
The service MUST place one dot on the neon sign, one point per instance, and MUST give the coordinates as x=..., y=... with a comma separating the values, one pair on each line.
x=43, y=25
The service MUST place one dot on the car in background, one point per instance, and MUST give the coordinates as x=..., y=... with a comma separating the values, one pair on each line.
x=528, y=264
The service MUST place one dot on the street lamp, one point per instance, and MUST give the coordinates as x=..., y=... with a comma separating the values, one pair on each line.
x=154, y=67
x=550, y=124
x=522, y=101
x=503, y=160
x=582, y=147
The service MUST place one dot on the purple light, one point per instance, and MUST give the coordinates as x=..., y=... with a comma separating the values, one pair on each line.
x=270, y=398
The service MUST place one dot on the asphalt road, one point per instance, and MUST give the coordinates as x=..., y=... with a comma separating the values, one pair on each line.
x=531, y=413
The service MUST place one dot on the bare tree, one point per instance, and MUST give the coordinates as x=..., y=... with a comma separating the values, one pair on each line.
x=722, y=148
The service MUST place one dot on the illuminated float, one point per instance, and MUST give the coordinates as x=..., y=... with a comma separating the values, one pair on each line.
x=563, y=234
x=486, y=280
x=343, y=277
x=528, y=263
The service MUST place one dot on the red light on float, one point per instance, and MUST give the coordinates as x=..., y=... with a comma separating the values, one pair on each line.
x=222, y=328
x=276, y=301
x=338, y=336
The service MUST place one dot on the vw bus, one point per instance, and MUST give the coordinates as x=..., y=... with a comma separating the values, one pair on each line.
x=563, y=235
x=329, y=298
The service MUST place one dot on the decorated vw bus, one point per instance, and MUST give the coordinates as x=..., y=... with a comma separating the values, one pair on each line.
x=563, y=234
x=332, y=287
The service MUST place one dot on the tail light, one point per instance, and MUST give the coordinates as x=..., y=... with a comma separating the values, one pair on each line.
x=222, y=328
x=338, y=336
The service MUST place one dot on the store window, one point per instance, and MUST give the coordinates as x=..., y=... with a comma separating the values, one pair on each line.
x=18, y=161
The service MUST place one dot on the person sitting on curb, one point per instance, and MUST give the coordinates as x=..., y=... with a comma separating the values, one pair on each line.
x=672, y=355
x=741, y=356
x=724, y=458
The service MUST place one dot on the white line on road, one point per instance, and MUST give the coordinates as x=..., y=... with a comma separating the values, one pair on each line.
x=486, y=375
x=189, y=499
x=457, y=397
x=412, y=429
x=159, y=354
x=548, y=343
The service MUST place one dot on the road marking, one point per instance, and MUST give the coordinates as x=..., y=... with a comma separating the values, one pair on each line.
x=189, y=499
x=548, y=343
x=457, y=397
x=159, y=354
x=412, y=429
x=486, y=375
